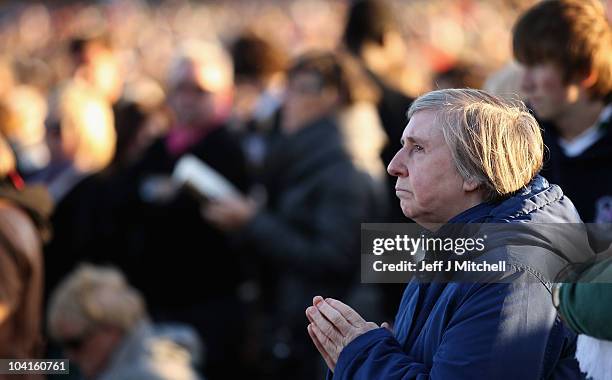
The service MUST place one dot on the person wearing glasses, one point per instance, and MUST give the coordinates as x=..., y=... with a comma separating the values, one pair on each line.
x=101, y=323
x=307, y=231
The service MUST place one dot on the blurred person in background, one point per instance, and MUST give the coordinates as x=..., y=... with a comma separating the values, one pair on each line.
x=363, y=138
x=101, y=323
x=308, y=229
x=96, y=63
x=24, y=213
x=260, y=78
x=166, y=231
x=81, y=138
x=359, y=122
x=137, y=128
x=259, y=72
x=22, y=121
x=458, y=75
x=141, y=117
x=88, y=222
x=565, y=48
x=372, y=36
x=506, y=82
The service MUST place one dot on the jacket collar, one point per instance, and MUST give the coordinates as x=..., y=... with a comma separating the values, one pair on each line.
x=522, y=205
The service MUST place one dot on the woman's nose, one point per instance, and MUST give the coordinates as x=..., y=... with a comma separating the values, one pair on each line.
x=397, y=167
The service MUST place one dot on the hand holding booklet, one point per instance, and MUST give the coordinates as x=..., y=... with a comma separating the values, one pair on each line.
x=202, y=179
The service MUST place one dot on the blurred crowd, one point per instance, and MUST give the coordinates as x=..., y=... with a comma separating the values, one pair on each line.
x=299, y=104
x=438, y=35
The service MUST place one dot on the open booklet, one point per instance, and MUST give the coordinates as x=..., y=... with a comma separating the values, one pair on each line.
x=203, y=180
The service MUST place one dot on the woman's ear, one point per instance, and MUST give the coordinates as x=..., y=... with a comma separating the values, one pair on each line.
x=470, y=185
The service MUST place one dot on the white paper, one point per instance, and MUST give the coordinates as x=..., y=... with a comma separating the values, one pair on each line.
x=190, y=170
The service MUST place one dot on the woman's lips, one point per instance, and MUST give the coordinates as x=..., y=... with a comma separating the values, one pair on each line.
x=400, y=191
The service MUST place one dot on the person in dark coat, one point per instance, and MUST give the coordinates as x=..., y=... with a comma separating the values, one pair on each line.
x=307, y=230
x=259, y=71
x=80, y=147
x=502, y=328
x=372, y=36
x=570, y=90
x=186, y=269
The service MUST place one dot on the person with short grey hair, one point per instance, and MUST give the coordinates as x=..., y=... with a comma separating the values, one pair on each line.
x=467, y=157
x=468, y=119
x=101, y=323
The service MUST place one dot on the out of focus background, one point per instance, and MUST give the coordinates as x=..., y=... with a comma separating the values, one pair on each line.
x=298, y=104
x=439, y=35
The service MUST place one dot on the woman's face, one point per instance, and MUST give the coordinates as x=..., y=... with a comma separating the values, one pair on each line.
x=307, y=100
x=89, y=347
x=430, y=189
x=192, y=103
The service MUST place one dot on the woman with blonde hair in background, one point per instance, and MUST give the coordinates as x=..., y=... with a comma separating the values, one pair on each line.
x=80, y=135
x=102, y=324
x=81, y=138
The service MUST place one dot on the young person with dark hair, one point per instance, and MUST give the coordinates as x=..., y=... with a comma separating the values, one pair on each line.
x=565, y=47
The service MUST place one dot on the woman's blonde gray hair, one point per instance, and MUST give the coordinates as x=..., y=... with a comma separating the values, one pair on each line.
x=96, y=296
x=494, y=142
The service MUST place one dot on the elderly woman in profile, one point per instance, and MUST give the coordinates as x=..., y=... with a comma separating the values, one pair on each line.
x=466, y=157
x=102, y=325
